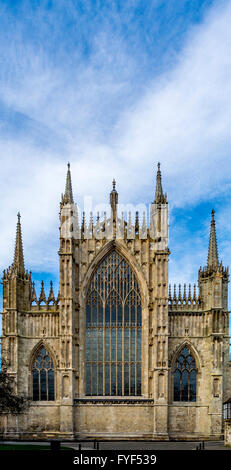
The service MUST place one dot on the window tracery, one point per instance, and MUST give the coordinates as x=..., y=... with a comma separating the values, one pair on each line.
x=185, y=376
x=43, y=376
x=113, y=330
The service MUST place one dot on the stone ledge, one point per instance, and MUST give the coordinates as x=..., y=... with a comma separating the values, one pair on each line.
x=113, y=401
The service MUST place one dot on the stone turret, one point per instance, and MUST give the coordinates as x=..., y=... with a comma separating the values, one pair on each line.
x=16, y=280
x=16, y=300
x=213, y=278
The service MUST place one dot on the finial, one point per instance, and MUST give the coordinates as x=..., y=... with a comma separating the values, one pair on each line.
x=114, y=184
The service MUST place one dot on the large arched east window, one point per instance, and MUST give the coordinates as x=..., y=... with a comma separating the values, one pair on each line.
x=113, y=330
x=43, y=376
x=185, y=376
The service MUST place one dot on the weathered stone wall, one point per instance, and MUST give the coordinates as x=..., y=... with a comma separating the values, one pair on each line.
x=114, y=421
x=189, y=421
x=168, y=323
x=227, y=432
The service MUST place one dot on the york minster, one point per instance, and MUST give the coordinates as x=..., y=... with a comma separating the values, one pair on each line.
x=119, y=353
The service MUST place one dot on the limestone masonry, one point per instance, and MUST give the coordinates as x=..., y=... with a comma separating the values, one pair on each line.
x=119, y=354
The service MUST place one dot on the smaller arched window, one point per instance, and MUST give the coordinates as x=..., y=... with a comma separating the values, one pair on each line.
x=185, y=376
x=43, y=376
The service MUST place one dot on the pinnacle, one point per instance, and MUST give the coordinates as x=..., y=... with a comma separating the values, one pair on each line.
x=114, y=199
x=159, y=196
x=212, y=262
x=18, y=263
x=68, y=196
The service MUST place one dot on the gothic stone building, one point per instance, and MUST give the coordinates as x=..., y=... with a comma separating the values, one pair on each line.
x=117, y=355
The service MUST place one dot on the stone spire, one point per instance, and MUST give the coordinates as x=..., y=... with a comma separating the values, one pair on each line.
x=68, y=196
x=114, y=200
x=18, y=264
x=160, y=198
x=212, y=262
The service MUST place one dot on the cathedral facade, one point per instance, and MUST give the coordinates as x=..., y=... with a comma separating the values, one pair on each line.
x=118, y=354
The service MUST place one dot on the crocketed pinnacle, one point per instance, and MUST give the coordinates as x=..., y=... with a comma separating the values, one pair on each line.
x=114, y=199
x=68, y=196
x=212, y=262
x=159, y=196
x=18, y=263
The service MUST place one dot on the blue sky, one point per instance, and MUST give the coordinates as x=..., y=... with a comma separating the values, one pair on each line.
x=114, y=87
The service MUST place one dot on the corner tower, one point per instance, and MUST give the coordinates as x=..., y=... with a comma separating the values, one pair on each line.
x=159, y=252
x=68, y=297
x=213, y=278
x=16, y=301
x=213, y=288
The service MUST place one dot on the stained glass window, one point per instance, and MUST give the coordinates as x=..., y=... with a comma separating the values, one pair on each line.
x=113, y=330
x=185, y=376
x=43, y=377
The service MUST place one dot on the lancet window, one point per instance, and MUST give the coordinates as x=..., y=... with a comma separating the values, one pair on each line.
x=113, y=330
x=43, y=376
x=185, y=376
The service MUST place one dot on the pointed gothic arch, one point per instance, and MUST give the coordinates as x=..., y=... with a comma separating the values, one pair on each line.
x=113, y=329
x=116, y=245
x=185, y=363
x=192, y=348
x=42, y=373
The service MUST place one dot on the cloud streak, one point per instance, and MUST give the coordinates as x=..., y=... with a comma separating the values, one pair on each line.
x=96, y=108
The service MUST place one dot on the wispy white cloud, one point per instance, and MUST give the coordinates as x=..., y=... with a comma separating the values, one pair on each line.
x=93, y=113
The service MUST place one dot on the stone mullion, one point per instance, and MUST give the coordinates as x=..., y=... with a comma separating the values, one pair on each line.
x=103, y=365
x=129, y=345
x=110, y=366
x=122, y=305
x=116, y=328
